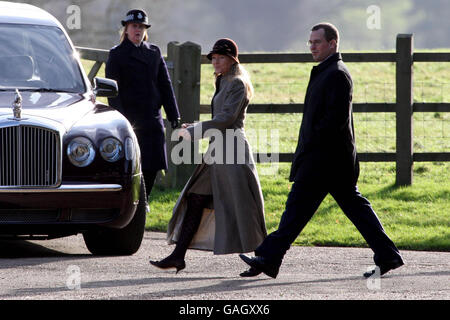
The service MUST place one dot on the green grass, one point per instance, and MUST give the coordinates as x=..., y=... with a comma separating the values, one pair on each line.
x=416, y=217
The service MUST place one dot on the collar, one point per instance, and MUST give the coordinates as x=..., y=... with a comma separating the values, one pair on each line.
x=325, y=63
x=326, y=58
x=127, y=42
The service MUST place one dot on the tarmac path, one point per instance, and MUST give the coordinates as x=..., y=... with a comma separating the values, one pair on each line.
x=64, y=269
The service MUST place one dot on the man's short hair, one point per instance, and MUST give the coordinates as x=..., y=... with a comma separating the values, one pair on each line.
x=331, y=32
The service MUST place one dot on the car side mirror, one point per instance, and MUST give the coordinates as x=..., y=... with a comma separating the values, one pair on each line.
x=104, y=87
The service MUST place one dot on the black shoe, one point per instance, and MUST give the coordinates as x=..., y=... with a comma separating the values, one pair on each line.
x=170, y=262
x=261, y=264
x=384, y=267
x=252, y=272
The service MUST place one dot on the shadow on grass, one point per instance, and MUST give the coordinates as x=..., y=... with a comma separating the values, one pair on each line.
x=329, y=208
x=407, y=193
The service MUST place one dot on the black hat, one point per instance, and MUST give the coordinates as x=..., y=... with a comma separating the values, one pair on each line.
x=225, y=47
x=137, y=16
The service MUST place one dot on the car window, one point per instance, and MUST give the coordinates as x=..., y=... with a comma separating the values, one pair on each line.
x=37, y=57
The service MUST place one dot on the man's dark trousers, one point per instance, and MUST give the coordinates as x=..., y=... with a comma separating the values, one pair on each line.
x=303, y=201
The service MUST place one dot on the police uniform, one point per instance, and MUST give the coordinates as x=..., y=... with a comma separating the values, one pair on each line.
x=144, y=86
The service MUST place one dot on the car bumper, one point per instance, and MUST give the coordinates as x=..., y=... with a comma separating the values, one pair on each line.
x=111, y=205
x=66, y=188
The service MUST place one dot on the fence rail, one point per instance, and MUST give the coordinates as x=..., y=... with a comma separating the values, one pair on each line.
x=184, y=62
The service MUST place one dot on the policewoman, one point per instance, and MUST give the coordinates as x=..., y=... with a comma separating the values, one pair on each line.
x=144, y=86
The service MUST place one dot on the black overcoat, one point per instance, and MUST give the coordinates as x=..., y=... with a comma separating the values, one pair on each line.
x=144, y=86
x=326, y=149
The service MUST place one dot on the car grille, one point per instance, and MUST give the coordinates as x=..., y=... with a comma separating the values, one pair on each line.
x=29, y=157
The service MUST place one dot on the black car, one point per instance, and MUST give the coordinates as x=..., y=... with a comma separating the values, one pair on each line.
x=68, y=164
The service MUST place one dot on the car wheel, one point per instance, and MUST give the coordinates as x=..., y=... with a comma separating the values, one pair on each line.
x=125, y=241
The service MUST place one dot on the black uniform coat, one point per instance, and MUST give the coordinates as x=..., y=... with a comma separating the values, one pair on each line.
x=325, y=162
x=144, y=86
x=326, y=147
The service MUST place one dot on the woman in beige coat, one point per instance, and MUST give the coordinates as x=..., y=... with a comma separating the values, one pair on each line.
x=221, y=208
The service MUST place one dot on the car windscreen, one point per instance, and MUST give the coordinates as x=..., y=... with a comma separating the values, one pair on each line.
x=36, y=57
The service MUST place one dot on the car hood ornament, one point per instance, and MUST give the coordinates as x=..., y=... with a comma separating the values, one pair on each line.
x=17, y=106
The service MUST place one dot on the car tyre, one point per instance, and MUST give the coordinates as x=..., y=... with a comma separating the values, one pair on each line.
x=125, y=241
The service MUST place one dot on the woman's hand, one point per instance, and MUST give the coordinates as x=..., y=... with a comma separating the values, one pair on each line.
x=186, y=125
x=183, y=133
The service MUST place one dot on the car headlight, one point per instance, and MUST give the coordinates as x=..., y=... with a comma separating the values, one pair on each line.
x=81, y=152
x=129, y=149
x=111, y=149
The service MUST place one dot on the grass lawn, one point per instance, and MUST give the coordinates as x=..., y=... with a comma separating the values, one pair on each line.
x=415, y=217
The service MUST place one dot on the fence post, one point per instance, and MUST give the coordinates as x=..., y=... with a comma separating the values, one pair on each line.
x=404, y=109
x=183, y=62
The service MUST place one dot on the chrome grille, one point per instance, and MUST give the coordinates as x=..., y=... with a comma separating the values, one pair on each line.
x=29, y=156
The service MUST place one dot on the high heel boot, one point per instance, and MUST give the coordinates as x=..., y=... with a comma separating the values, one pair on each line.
x=191, y=222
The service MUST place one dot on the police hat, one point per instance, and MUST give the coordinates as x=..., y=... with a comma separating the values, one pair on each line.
x=136, y=16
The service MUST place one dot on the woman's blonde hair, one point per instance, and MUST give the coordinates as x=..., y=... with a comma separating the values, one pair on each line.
x=123, y=34
x=237, y=70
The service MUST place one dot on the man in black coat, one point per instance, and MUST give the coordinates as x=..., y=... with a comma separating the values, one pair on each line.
x=144, y=86
x=325, y=161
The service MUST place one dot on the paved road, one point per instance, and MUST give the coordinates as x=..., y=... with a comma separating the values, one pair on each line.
x=64, y=269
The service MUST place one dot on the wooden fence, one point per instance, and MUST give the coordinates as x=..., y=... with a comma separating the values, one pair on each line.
x=184, y=62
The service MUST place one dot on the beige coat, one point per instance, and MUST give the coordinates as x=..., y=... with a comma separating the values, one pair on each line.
x=236, y=224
